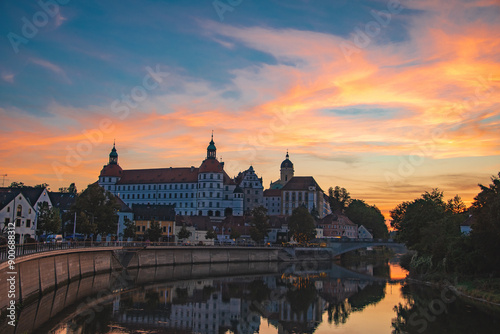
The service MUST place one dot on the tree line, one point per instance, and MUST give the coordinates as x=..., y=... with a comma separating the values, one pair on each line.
x=430, y=227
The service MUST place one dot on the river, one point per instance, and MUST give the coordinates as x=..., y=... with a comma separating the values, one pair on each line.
x=305, y=297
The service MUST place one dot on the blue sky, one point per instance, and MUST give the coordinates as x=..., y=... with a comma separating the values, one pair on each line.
x=352, y=92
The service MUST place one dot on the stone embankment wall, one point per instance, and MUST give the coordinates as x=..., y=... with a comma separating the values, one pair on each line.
x=41, y=273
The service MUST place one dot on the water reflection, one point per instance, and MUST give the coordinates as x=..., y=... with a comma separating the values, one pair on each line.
x=291, y=302
x=243, y=298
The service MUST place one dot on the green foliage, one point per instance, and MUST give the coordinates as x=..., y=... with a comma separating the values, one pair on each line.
x=301, y=225
x=211, y=234
x=234, y=234
x=260, y=226
x=17, y=185
x=71, y=189
x=96, y=208
x=49, y=219
x=129, y=230
x=485, y=233
x=153, y=233
x=369, y=216
x=184, y=233
x=431, y=226
x=339, y=198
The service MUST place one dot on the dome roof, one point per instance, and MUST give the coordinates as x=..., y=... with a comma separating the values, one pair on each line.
x=210, y=166
x=211, y=146
x=111, y=170
x=287, y=163
x=113, y=153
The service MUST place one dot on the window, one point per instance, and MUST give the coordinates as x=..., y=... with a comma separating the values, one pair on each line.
x=143, y=228
x=18, y=222
x=19, y=210
x=138, y=229
x=7, y=221
x=256, y=192
x=8, y=209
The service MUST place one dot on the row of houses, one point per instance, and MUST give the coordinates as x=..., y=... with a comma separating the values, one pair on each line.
x=331, y=226
x=19, y=206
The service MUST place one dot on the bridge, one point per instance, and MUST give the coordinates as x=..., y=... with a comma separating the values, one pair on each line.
x=335, y=247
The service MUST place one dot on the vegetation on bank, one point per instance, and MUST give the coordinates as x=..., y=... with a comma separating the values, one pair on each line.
x=430, y=228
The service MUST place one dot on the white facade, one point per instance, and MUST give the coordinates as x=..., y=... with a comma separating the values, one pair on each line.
x=363, y=233
x=272, y=202
x=20, y=215
x=203, y=191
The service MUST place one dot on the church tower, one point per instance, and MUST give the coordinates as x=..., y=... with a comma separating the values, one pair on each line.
x=113, y=156
x=211, y=150
x=286, y=170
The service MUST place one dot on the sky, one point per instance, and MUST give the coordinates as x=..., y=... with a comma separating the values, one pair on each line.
x=388, y=99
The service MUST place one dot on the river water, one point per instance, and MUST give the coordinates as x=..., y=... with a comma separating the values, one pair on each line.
x=266, y=298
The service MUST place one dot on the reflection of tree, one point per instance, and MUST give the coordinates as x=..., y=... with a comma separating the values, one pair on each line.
x=100, y=324
x=371, y=294
x=152, y=298
x=181, y=296
x=338, y=313
x=439, y=311
x=259, y=291
x=301, y=295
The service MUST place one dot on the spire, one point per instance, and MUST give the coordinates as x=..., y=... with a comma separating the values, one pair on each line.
x=113, y=156
x=287, y=156
x=211, y=149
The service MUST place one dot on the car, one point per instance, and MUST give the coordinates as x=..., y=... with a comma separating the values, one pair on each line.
x=76, y=236
x=55, y=238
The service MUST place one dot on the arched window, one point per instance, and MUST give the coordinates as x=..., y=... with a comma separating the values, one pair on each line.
x=19, y=210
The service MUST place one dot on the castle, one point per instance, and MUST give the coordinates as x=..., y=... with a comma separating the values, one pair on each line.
x=208, y=190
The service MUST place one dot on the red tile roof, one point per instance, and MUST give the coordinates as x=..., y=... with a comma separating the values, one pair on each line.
x=272, y=193
x=111, y=170
x=210, y=166
x=159, y=175
x=301, y=183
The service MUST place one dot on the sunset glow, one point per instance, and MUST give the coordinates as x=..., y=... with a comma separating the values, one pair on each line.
x=412, y=107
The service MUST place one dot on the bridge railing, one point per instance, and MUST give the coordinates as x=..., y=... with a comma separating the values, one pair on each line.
x=15, y=251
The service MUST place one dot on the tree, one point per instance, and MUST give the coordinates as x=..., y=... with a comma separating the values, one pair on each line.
x=369, y=216
x=485, y=232
x=42, y=185
x=339, y=198
x=17, y=185
x=184, y=233
x=260, y=226
x=428, y=226
x=129, y=230
x=301, y=225
x=234, y=234
x=71, y=189
x=211, y=234
x=97, y=207
x=49, y=219
x=154, y=231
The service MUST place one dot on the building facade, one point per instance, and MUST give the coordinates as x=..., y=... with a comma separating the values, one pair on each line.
x=252, y=188
x=205, y=191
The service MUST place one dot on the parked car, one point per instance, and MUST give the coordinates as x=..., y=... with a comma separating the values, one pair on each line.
x=55, y=238
x=77, y=236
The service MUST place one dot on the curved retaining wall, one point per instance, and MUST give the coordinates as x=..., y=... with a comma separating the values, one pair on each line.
x=40, y=273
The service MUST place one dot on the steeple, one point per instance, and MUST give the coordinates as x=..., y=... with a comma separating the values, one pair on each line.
x=286, y=170
x=113, y=156
x=211, y=150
